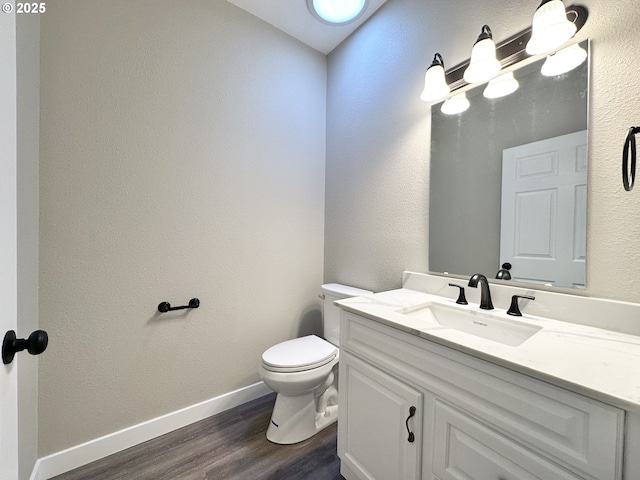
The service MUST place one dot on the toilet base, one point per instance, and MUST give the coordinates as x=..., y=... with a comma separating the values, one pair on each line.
x=295, y=419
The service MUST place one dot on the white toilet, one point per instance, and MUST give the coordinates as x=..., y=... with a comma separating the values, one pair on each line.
x=304, y=373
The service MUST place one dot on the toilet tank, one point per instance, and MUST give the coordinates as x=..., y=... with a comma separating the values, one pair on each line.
x=330, y=293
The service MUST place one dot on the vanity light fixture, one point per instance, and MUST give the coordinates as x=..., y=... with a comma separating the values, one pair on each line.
x=435, y=84
x=508, y=52
x=564, y=61
x=440, y=83
x=501, y=86
x=550, y=28
x=337, y=12
x=456, y=104
x=483, y=65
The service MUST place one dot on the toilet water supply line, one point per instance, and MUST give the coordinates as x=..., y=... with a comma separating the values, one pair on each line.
x=328, y=397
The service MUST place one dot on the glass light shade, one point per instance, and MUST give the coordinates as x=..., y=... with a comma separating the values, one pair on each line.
x=501, y=86
x=338, y=11
x=483, y=65
x=564, y=61
x=435, y=84
x=456, y=104
x=551, y=28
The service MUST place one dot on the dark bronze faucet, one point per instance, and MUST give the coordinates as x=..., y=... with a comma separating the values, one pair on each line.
x=485, y=294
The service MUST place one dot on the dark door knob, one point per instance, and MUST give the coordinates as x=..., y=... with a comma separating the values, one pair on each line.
x=35, y=344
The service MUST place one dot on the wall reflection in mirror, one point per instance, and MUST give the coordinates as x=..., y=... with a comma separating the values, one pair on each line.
x=509, y=180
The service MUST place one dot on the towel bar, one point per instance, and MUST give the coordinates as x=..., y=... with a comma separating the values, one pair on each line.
x=166, y=306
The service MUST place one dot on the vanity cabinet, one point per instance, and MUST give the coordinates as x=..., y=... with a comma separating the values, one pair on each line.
x=473, y=419
x=382, y=437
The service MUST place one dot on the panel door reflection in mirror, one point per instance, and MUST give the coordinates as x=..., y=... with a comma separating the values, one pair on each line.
x=466, y=170
x=543, y=215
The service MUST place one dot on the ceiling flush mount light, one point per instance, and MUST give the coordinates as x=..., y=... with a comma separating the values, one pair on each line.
x=551, y=28
x=483, y=65
x=456, y=104
x=337, y=12
x=501, y=86
x=564, y=61
x=435, y=85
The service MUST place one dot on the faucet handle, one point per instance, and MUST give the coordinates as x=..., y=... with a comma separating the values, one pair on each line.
x=462, y=300
x=503, y=273
x=514, y=309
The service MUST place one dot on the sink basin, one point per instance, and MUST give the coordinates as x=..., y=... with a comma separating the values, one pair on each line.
x=490, y=325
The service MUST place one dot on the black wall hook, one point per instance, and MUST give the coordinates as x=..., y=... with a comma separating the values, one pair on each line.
x=166, y=306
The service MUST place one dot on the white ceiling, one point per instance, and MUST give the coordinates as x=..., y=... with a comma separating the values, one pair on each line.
x=293, y=17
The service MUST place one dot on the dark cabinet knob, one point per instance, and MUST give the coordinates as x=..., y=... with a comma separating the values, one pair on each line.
x=35, y=344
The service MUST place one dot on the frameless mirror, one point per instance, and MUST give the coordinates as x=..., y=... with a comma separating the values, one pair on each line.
x=508, y=181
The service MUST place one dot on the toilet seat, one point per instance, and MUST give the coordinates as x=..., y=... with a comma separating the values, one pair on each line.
x=299, y=354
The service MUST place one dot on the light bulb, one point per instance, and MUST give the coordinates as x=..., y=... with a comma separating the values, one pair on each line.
x=456, y=104
x=483, y=65
x=564, y=61
x=501, y=86
x=551, y=28
x=435, y=83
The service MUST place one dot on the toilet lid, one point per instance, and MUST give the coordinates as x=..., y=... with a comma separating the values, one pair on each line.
x=300, y=353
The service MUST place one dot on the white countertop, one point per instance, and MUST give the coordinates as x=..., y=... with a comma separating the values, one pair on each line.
x=598, y=363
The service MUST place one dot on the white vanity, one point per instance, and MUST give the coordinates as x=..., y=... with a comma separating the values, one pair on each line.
x=424, y=396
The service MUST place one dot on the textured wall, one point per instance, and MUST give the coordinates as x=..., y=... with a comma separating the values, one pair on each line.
x=28, y=74
x=182, y=155
x=378, y=138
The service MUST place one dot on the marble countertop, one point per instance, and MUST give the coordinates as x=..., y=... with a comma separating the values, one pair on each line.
x=594, y=362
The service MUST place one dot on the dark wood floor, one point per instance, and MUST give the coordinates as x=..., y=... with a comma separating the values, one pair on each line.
x=231, y=445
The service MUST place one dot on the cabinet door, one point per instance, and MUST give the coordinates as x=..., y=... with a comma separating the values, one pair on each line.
x=466, y=450
x=376, y=416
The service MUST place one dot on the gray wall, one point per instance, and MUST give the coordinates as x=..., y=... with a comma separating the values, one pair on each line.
x=379, y=132
x=182, y=155
x=28, y=76
x=377, y=152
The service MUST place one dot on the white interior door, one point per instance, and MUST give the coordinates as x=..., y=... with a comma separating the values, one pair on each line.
x=543, y=216
x=8, y=244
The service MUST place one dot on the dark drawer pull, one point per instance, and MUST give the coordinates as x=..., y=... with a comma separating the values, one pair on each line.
x=412, y=412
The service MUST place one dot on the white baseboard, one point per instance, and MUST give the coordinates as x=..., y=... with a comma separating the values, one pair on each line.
x=74, y=457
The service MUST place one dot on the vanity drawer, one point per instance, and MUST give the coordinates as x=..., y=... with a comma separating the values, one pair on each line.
x=466, y=450
x=574, y=431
